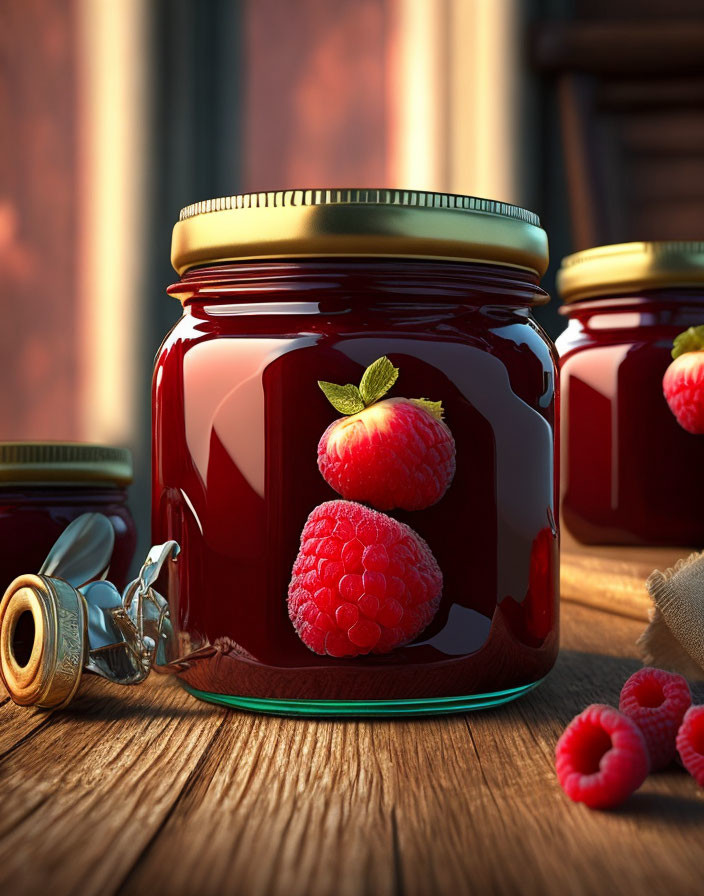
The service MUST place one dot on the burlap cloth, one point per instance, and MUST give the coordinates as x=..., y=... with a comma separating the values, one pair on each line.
x=674, y=638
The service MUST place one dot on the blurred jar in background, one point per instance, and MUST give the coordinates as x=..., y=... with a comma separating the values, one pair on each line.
x=46, y=485
x=630, y=473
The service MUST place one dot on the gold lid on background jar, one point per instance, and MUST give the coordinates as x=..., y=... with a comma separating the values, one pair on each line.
x=366, y=223
x=623, y=267
x=63, y=463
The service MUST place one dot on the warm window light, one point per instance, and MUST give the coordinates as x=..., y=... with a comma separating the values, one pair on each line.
x=453, y=117
x=113, y=56
x=454, y=97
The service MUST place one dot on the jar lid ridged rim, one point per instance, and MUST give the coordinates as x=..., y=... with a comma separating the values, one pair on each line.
x=64, y=462
x=622, y=267
x=358, y=222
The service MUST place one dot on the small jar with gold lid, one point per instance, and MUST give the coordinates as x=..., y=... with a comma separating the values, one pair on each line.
x=353, y=443
x=46, y=485
x=630, y=473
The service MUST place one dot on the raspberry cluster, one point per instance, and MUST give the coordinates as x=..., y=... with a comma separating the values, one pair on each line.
x=363, y=582
x=605, y=754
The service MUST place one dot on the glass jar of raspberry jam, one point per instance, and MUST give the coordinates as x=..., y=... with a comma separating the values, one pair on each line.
x=353, y=444
x=46, y=485
x=630, y=473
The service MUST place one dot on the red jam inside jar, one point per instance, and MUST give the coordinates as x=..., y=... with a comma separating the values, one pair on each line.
x=630, y=473
x=45, y=485
x=237, y=420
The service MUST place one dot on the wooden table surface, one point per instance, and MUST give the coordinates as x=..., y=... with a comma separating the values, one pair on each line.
x=613, y=577
x=146, y=791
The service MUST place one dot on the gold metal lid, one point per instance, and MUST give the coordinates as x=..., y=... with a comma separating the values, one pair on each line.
x=63, y=462
x=42, y=641
x=367, y=223
x=623, y=267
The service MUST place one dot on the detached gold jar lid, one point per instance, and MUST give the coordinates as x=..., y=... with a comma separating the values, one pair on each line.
x=367, y=223
x=42, y=641
x=624, y=267
x=69, y=618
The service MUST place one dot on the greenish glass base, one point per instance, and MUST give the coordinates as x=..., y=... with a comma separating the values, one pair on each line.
x=341, y=708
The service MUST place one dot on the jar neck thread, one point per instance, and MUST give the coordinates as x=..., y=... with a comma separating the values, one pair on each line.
x=386, y=277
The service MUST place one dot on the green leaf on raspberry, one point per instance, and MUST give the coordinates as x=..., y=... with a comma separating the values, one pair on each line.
x=345, y=399
x=378, y=378
x=434, y=408
x=692, y=340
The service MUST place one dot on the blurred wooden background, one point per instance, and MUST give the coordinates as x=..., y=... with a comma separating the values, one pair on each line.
x=114, y=115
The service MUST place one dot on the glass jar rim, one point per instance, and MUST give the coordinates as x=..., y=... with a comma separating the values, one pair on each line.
x=352, y=223
x=261, y=278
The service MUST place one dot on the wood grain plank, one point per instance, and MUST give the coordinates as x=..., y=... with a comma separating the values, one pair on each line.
x=612, y=578
x=149, y=791
x=17, y=727
x=534, y=840
x=283, y=806
x=83, y=795
x=448, y=805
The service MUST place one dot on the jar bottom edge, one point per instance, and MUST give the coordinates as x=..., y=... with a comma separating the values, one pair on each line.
x=364, y=708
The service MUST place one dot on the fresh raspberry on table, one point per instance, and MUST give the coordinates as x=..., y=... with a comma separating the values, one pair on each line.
x=690, y=743
x=362, y=582
x=683, y=383
x=601, y=758
x=396, y=453
x=656, y=701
